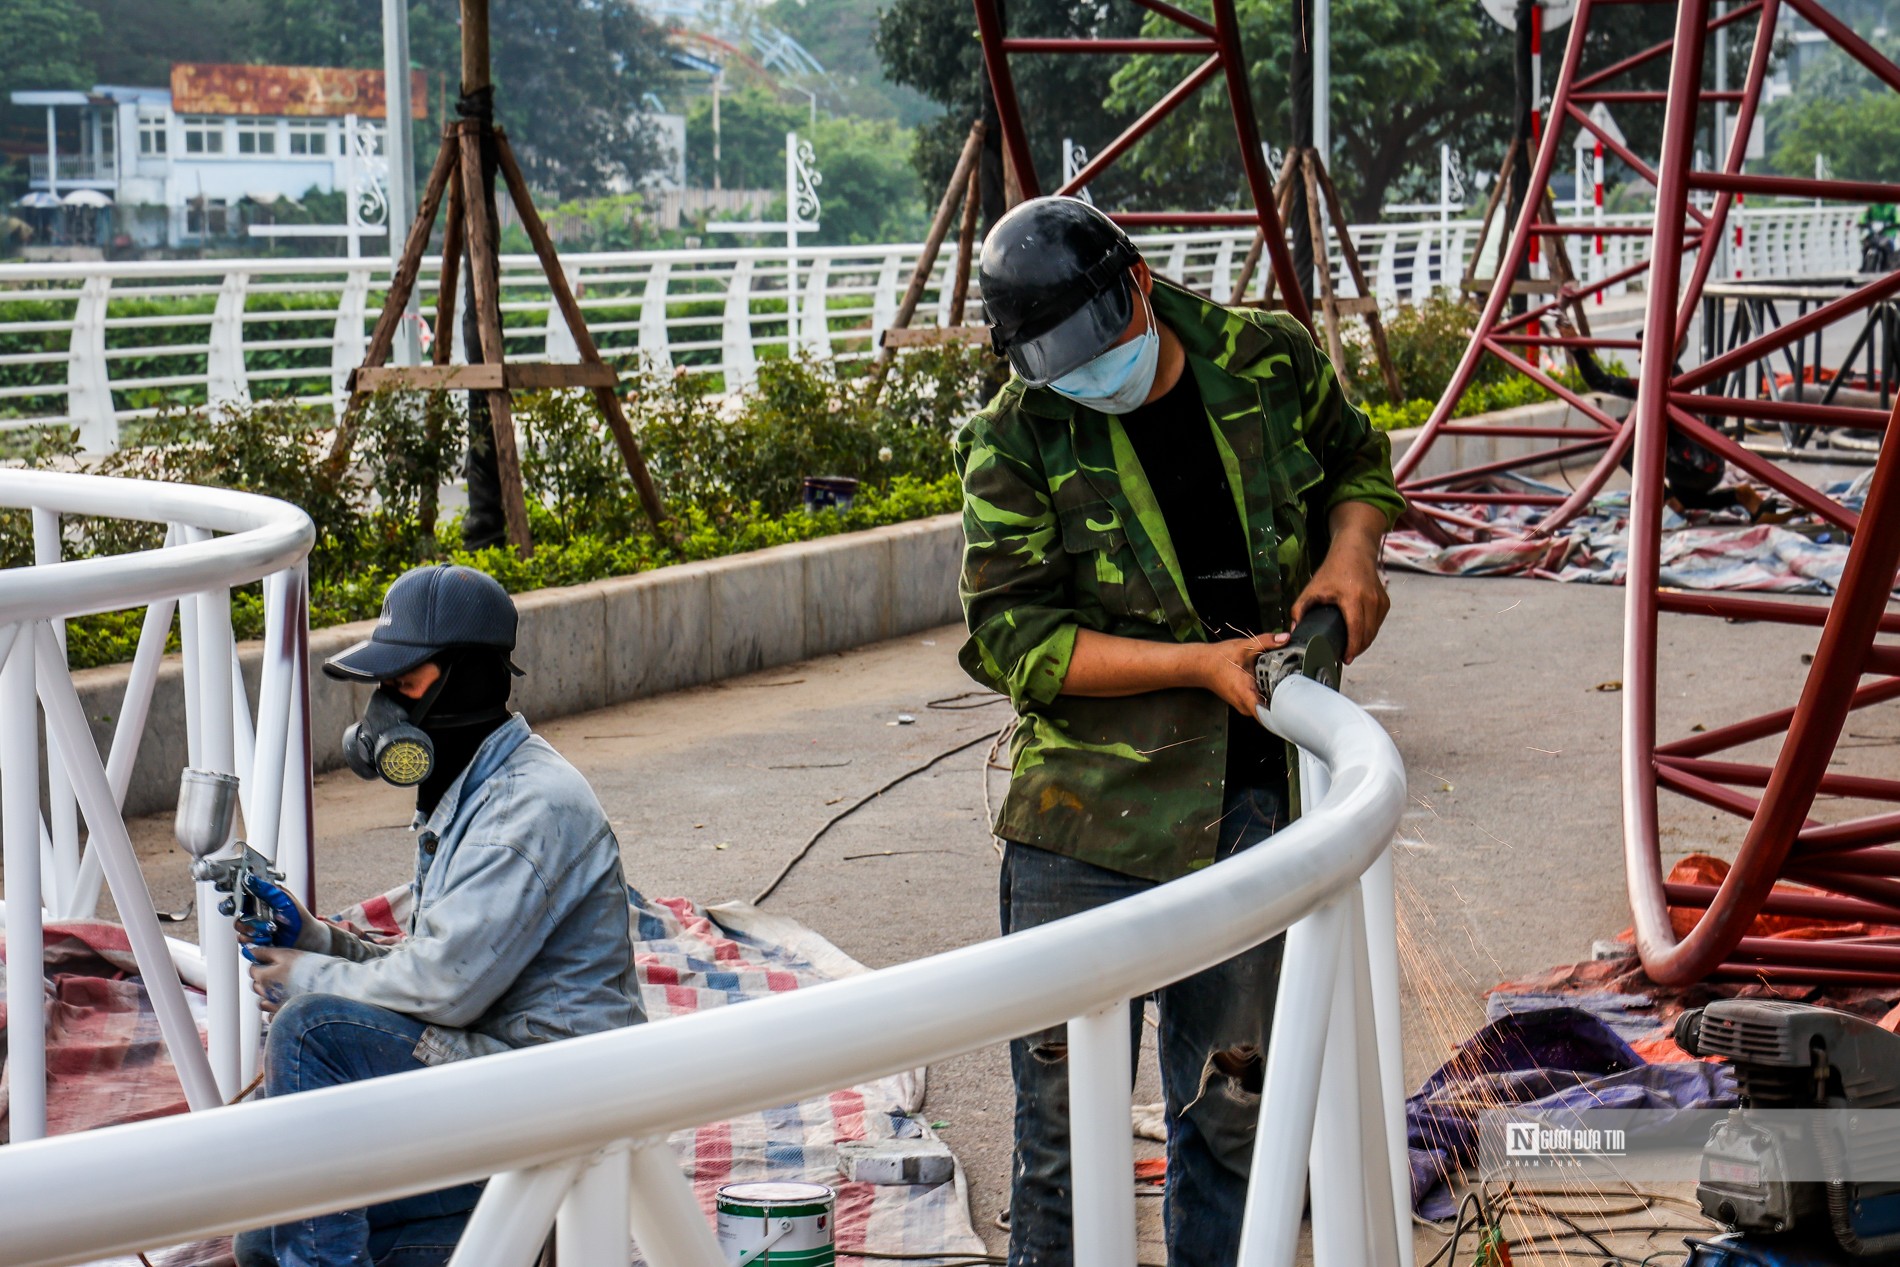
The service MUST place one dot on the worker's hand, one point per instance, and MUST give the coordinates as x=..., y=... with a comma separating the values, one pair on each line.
x=288, y=918
x=270, y=974
x=1349, y=577
x=1227, y=669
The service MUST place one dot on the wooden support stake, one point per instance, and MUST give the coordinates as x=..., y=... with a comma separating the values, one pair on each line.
x=607, y=398
x=939, y=227
x=442, y=347
x=1374, y=325
x=966, y=242
x=1282, y=196
x=1324, y=267
x=395, y=302
x=482, y=265
x=1470, y=282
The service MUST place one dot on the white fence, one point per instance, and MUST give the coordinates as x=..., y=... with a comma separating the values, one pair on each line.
x=576, y=1131
x=95, y=345
x=47, y=872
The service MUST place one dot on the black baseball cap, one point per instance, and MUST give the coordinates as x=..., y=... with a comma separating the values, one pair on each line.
x=426, y=612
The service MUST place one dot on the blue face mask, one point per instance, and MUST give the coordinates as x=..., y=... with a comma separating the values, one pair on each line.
x=1119, y=380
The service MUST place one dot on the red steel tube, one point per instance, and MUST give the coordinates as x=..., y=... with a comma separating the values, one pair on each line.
x=1506, y=464
x=1738, y=733
x=1800, y=493
x=1748, y=774
x=1812, y=906
x=1765, y=610
x=1656, y=942
x=1181, y=17
x=989, y=25
x=1795, y=186
x=1093, y=46
x=1144, y=124
x=1253, y=163
x=1781, y=411
x=1654, y=51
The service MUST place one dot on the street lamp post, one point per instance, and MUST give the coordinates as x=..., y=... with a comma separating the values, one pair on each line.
x=398, y=142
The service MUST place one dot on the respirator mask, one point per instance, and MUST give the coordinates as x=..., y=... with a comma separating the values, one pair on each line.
x=389, y=743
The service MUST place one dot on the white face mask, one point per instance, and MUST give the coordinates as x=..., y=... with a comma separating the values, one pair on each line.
x=1119, y=380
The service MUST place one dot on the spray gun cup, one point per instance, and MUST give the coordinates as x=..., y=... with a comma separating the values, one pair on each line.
x=207, y=806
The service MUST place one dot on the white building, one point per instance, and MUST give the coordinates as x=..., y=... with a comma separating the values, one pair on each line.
x=178, y=177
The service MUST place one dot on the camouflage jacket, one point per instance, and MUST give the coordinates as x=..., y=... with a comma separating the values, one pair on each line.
x=1062, y=532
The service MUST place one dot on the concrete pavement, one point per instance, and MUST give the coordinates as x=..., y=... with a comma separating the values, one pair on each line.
x=1500, y=694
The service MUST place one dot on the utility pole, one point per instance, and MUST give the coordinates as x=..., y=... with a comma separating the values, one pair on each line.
x=1323, y=80
x=1300, y=106
x=399, y=147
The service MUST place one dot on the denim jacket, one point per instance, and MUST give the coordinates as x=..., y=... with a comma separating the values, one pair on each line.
x=519, y=933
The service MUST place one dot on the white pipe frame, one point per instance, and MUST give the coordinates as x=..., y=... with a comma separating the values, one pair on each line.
x=48, y=876
x=562, y=1125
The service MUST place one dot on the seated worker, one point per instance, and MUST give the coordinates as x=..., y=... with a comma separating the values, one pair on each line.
x=519, y=931
x=1161, y=489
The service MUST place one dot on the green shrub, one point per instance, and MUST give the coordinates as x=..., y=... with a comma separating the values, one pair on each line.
x=731, y=470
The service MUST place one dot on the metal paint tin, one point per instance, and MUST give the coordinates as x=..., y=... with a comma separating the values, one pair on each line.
x=776, y=1224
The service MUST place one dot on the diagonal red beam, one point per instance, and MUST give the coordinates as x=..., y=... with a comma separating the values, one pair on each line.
x=1709, y=793
x=1551, y=385
x=1569, y=293
x=1805, y=495
x=1751, y=774
x=1793, y=331
x=1809, y=905
x=1629, y=156
x=989, y=25
x=1659, y=50
x=1181, y=17
x=1142, y=125
x=1818, y=954
x=1820, y=843
x=1738, y=733
x=1506, y=464
x=1851, y=44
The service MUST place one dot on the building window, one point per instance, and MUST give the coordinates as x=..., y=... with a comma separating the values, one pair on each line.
x=309, y=136
x=203, y=134
x=257, y=136
x=206, y=217
x=152, y=136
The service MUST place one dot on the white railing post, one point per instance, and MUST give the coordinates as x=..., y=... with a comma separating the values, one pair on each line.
x=656, y=347
x=61, y=882
x=1385, y=283
x=561, y=347
x=217, y=740
x=226, y=381
x=817, y=335
x=884, y=296
x=663, y=1212
x=20, y=854
x=511, y=1221
x=88, y=376
x=591, y=1229
x=1289, y=1097
x=65, y=717
x=348, y=342
x=1101, y=1147
x=741, y=362
x=297, y=821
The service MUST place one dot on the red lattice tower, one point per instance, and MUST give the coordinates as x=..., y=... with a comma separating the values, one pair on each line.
x=1847, y=865
x=1848, y=873
x=1219, y=40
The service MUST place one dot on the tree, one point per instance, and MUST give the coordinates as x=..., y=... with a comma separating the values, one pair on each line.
x=870, y=192
x=1839, y=112
x=932, y=46
x=48, y=45
x=752, y=128
x=1408, y=75
x=138, y=40
x=571, y=79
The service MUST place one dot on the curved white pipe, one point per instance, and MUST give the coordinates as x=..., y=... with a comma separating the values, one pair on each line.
x=197, y=1175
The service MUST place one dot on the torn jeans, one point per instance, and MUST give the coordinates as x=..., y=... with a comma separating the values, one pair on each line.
x=1212, y=1042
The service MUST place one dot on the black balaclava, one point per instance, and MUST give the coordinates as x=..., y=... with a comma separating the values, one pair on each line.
x=472, y=705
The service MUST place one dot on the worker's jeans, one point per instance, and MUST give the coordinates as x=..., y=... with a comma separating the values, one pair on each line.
x=1213, y=1041
x=323, y=1040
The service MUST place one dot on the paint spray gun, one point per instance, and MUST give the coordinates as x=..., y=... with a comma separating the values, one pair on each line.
x=207, y=807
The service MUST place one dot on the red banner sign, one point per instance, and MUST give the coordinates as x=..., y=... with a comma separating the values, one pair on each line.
x=309, y=91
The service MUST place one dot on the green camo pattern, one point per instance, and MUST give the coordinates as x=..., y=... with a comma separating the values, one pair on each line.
x=1062, y=532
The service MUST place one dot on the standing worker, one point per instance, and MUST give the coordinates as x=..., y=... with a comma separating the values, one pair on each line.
x=1161, y=489
x=519, y=931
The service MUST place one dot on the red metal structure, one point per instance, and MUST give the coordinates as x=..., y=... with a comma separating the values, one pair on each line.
x=1847, y=872
x=1846, y=865
x=1219, y=40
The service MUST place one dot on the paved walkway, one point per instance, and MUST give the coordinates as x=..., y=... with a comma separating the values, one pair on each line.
x=1510, y=860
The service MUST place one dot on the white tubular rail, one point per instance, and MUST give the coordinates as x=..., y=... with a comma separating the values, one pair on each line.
x=101, y=344
x=49, y=875
x=576, y=1130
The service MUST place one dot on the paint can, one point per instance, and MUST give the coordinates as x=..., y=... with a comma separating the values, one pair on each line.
x=776, y=1224
x=829, y=492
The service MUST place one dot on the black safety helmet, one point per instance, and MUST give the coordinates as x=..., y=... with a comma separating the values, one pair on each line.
x=1054, y=277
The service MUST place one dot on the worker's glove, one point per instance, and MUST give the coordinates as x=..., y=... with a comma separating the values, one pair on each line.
x=286, y=917
x=270, y=974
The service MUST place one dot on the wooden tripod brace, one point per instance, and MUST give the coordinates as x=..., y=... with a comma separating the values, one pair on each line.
x=458, y=174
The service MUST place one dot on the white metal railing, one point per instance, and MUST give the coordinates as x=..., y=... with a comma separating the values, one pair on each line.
x=575, y=1132
x=102, y=355
x=214, y=540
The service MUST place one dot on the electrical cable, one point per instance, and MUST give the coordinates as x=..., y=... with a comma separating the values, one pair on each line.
x=804, y=849
x=948, y=704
